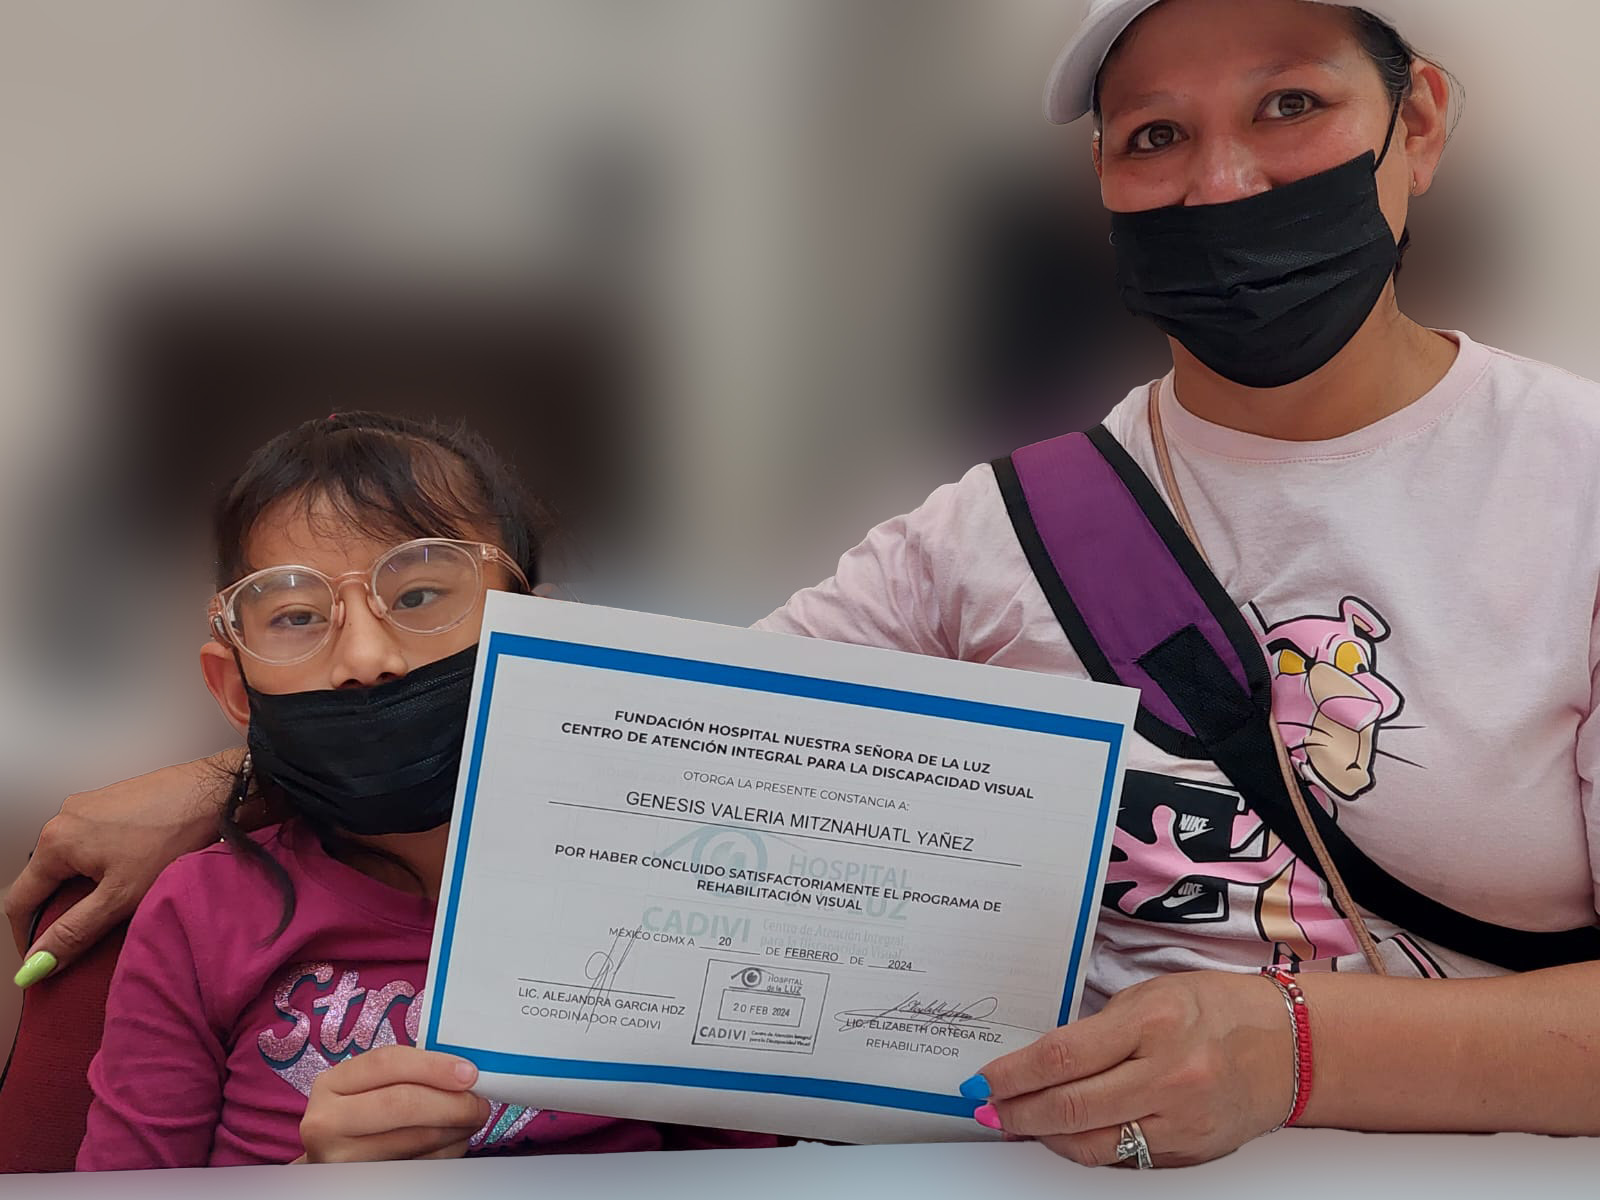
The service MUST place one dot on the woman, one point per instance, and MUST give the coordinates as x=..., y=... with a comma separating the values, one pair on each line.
x=1367, y=490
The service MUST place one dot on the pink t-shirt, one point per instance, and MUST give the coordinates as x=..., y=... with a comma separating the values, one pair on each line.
x=214, y=1034
x=1426, y=592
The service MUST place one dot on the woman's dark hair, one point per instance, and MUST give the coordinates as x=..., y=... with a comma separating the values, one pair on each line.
x=1394, y=57
x=385, y=477
x=1390, y=53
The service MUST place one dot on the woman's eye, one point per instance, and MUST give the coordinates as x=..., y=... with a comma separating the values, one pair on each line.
x=1157, y=136
x=1287, y=105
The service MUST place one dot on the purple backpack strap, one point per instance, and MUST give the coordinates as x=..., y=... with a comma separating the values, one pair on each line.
x=1142, y=609
x=1123, y=578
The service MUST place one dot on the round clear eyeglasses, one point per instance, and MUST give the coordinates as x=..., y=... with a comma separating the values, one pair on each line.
x=284, y=615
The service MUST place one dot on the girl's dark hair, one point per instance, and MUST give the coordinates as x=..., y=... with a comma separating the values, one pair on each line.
x=385, y=477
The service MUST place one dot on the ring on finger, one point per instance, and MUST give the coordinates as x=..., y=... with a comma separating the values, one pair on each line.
x=1131, y=1145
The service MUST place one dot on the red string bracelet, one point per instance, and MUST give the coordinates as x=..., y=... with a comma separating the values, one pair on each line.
x=1300, y=1016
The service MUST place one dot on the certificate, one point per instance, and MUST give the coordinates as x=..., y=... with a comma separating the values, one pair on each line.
x=718, y=877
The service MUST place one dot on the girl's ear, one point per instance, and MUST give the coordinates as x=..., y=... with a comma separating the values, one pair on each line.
x=225, y=682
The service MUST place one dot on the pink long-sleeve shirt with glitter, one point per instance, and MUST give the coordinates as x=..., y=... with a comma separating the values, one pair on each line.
x=214, y=1031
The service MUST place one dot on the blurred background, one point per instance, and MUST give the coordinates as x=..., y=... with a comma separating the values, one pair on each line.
x=729, y=280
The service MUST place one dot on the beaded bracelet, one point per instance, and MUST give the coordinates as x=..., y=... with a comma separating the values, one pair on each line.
x=1300, y=1018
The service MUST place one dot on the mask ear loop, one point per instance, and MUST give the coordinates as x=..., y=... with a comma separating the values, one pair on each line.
x=1394, y=121
x=1405, y=234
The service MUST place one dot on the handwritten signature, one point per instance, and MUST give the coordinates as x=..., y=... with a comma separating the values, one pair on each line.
x=602, y=969
x=916, y=1010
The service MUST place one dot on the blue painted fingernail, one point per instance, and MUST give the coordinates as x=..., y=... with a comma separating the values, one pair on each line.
x=977, y=1088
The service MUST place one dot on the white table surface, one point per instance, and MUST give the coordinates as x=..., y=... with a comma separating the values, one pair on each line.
x=1292, y=1165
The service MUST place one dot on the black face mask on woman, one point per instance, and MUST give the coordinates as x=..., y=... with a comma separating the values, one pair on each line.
x=1267, y=289
x=369, y=760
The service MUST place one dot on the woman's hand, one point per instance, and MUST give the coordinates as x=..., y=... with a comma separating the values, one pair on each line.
x=1204, y=1062
x=392, y=1102
x=122, y=837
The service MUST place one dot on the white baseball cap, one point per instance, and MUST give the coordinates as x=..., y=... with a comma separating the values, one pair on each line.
x=1070, y=92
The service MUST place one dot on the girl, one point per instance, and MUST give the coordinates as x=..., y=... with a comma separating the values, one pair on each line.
x=265, y=1006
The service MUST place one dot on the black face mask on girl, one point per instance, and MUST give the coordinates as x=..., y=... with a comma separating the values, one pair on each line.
x=371, y=760
x=1267, y=289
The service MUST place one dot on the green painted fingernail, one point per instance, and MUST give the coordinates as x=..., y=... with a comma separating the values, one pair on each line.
x=36, y=968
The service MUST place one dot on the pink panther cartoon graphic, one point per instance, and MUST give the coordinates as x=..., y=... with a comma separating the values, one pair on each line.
x=1328, y=698
x=1181, y=849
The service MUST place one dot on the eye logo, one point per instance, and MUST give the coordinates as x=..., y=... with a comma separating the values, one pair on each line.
x=750, y=977
x=732, y=847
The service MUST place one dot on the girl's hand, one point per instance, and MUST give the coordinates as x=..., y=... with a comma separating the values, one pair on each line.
x=1204, y=1062
x=392, y=1102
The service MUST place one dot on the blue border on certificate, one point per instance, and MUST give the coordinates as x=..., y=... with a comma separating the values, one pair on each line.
x=753, y=679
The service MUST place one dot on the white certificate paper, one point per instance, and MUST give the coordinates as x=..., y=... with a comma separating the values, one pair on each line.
x=710, y=876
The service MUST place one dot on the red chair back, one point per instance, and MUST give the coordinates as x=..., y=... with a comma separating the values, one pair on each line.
x=44, y=1091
